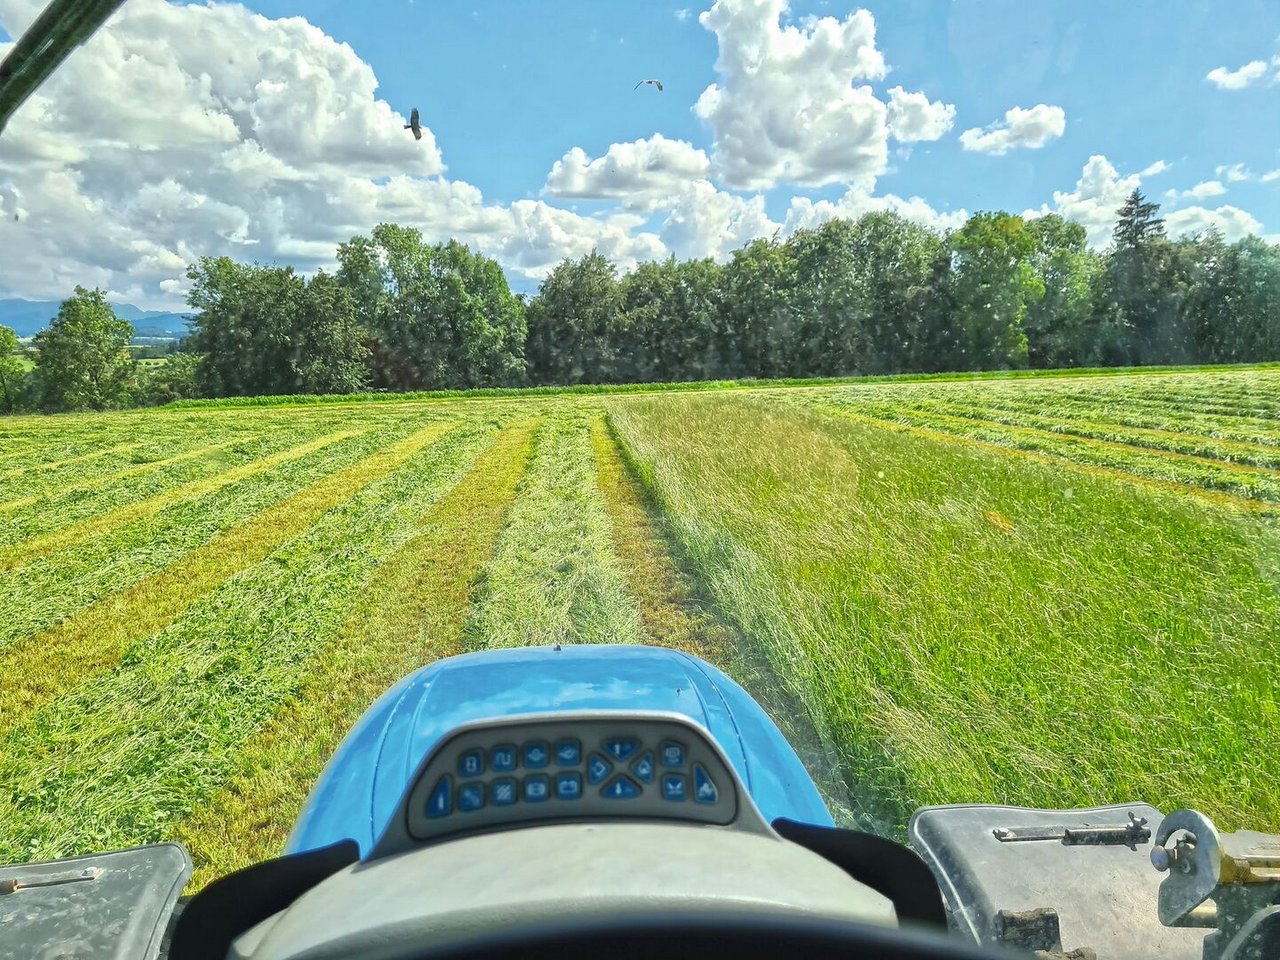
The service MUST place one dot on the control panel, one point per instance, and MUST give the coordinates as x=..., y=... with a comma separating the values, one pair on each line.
x=572, y=767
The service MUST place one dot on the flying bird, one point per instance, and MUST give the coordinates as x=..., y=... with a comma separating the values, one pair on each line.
x=656, y=83
x=415, y=124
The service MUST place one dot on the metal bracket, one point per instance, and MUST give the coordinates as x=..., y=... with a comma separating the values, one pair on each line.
x=1125, y=834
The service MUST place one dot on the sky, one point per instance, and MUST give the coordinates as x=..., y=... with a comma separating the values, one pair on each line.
x=273, y=131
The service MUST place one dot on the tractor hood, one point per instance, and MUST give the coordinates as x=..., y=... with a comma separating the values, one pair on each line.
x=359, y=789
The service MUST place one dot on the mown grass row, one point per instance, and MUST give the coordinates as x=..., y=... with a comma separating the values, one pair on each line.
x=966, y=626
x=124, y=756
x=1168, y=466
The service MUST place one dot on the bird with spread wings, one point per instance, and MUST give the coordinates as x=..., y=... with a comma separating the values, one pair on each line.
x=415, y=124
x=656, y=83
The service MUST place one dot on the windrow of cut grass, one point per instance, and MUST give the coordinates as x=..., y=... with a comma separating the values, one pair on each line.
x=1194, y=472
x=965, y=626
x=127, y=754
x=52, y=663
x=114, y=561
x=411, y=613
x=554, y=577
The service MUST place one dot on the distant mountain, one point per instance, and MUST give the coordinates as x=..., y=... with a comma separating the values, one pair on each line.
x=29, y=317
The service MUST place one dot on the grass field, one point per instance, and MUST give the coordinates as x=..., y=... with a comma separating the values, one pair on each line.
x=1046, y=591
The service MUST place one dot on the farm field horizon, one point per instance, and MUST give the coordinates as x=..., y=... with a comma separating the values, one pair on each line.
x=1046, y=591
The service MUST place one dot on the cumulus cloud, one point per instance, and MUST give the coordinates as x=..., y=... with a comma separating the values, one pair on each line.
x=1098, y=194
x=805, y=213
x=707, y=222
x=784, y=107
x=1225, y=79
x=1201, y=191
x=643, y=173
x=913, y=116
x=1233, y=222
x=267, y=143
x=1158, y=167
x=1031, y=128
x=1235, y=172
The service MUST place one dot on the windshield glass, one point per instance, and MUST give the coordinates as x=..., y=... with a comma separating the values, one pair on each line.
x=913, y=363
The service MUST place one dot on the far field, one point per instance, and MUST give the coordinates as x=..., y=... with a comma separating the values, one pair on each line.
x=1043, y=591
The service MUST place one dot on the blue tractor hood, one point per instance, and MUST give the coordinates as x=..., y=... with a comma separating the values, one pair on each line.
x=357, y=794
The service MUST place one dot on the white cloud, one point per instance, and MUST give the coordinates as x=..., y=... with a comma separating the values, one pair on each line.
x=1098, y=194
x=707, y=222
x=1031, y=128
x=1225, y=79
x=1201, y=191
x=1233, y=222
x=805, y=213
x=268, y=144
x=683, y=14
x=912, y=116
x=1235, y=172
x=643, y=173
x=1158, y=167
x=784, y=106
x=1270, y=175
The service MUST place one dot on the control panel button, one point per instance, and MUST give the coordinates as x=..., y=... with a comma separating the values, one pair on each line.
x=620, y=787
x=704, y=789
x=503, y=791
x=673, y=787
x=642, y=767
x=568, y=753
x=621, y=748
x=537, y=788
x=470, y=797
x=440, y=802
x=502, y=759
x=536, y=754
x=672, y=754
x=597, y=769
x=568, y=786
x=471, y=763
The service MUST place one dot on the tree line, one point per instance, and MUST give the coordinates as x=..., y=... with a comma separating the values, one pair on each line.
x=877, y=295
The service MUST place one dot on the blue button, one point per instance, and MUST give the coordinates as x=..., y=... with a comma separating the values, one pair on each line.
x=568, y=786
x=620, y=788
x=503, y=792
x=440, y=803
x=537, y=788
x=622, y=748
x=470, y=797
x=672, y=754
x=643, y=766
x=568, y=753
x=503, y=758
x=471, y=763
x=597, y=768
x=536, y=754
x=673, y=787
x=704, y=791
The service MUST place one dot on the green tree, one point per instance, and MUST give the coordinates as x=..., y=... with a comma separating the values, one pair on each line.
x=13, y=373
x=574, y=323
x=757, y=336
x=993, y=282
x=1144, y=285
x=266, y=330
x=1061, y=328
x=83, y=360
x=436, y=317
x=670, y=309
x=178, y=378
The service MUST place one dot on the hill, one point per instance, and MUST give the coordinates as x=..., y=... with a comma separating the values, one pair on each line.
x=29, y=317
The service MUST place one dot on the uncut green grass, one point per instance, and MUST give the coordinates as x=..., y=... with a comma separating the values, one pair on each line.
x=1114, y=644
x=122, y=759
x=554, y=576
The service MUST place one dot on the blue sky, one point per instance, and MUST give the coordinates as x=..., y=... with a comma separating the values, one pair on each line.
x=509, y=86
x=276, y=139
